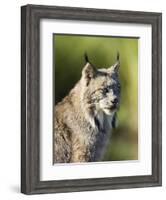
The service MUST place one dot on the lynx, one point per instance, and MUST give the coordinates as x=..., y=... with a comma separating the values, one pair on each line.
x=83, y=120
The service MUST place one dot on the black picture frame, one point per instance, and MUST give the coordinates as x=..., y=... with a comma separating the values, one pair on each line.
x=30, y=98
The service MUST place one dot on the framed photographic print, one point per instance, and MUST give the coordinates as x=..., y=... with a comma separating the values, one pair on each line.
x=91, y=99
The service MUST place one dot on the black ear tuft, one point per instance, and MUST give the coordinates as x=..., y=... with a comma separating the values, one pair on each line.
x=86, y=57
x=117, y=58
x=116, y=66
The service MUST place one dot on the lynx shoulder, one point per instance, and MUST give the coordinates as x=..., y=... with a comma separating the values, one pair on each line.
x=84, y=118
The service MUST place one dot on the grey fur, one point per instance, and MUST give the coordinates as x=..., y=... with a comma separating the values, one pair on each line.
x=83, y=120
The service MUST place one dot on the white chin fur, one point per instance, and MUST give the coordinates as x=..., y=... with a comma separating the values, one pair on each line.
x=108, y=112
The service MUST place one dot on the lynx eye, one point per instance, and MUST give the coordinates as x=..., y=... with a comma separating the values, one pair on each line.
x=105, y=90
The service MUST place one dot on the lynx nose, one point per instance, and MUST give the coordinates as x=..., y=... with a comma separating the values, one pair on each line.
x=114, y=101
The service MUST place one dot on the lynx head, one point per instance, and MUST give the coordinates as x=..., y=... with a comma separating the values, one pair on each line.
x=101, y=88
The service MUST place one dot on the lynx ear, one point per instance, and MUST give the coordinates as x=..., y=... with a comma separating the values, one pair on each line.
x=88, y=73
x=116, y=66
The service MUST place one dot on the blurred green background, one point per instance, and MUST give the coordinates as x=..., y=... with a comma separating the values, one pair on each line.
x=68, y=63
